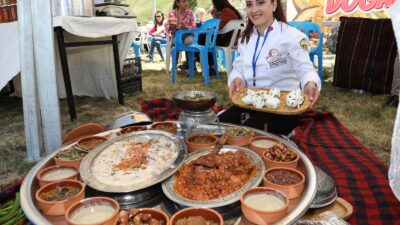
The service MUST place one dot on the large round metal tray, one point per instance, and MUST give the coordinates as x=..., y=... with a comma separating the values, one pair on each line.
x=31, y=185
x=86, y=171
x=169, y=191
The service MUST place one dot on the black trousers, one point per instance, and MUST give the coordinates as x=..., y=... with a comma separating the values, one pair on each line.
x=273, y=123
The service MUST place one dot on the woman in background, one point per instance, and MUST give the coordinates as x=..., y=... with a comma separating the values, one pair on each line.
x=158, y=34
x=181, y=18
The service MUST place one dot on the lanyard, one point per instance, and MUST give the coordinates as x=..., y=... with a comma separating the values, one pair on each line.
x=255, y=58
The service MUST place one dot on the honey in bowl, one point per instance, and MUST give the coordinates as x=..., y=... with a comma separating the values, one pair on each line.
x=264, y=201
x=59, y=174
x=60, y=193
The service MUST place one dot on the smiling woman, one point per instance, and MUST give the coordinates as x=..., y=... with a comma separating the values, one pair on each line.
x=274, y=55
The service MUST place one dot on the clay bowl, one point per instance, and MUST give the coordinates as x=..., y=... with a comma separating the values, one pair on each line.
x=239, y=140
x=83, y=130
x=263, y=216
x=200, y=141
x=208, y=214
x=165, y=126
x=269, y=163
x=262, y=143
x=90, y=209
x=58, y=208
x=155, y=214
x=130, y=129
x=89, y=143
x=183, y=100
x=57, y=173
x=292, y=191
x=76, y=162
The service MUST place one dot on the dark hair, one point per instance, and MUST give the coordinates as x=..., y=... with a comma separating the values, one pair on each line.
x=155, y=19
x=175, y=5
x=278, y=14
x=221, y=4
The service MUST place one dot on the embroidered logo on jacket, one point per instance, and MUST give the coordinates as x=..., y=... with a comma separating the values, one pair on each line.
x=303, y=44
x=275, y=58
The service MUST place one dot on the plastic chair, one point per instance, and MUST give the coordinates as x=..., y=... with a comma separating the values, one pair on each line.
x=210, y=29
x=306, y=27
x=236, y=26
x=168, y=53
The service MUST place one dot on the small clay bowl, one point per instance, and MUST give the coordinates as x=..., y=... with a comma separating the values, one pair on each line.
x=206, y=141
x=82, y=131
x=130, y=129
x=239, y=140
x=262, y=143
x=208, y=214
x=165, y=126
x=59, y=171
x=91, y=209
x=263, y=216
x=89, y=143
x=269, y=163
x=291, y=191
x=155, y=214
x=58, y=208
x=66, y=162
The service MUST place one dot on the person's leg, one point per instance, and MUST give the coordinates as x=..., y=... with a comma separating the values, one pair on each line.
x=152, y=46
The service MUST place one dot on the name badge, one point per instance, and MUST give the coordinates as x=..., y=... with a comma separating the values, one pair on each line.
x=275, y=59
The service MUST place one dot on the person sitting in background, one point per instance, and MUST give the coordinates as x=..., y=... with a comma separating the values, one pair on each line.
x=223, y=10
x=200, y=16
x=181, y=18
x=158, y=34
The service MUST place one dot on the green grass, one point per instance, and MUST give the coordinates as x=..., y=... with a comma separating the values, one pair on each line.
x=360, y=113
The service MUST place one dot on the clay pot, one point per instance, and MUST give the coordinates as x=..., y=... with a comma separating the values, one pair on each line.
x=267, y=143
x=83, y=130
x=291, y=191
x=155, y=214
x=130, y=129
x=170, y=127
x=273, y=164
x=239, y=140
x=58, y=208
x=211, y=141
x=92, y=203
x=49, y=169
x=263, y=217
x=90, y=142
x=64, y=162
x=208, y=214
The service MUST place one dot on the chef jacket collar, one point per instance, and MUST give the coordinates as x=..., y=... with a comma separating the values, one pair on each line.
x=275, y=26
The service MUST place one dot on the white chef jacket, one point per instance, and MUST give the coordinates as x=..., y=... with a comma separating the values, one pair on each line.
x=282, y=63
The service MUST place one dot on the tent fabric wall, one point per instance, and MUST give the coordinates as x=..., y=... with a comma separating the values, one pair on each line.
x=365, y=54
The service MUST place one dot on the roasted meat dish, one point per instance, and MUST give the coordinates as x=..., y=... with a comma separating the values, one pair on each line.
x=214, y=175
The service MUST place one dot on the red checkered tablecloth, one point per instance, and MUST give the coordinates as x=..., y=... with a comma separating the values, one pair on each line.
x=361, y=178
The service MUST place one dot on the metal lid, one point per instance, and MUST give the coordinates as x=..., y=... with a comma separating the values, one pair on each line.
x=326, y=190
x=129, y=118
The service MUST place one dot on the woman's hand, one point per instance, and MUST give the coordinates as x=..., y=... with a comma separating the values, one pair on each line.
x=236, y=85
x=312, y=91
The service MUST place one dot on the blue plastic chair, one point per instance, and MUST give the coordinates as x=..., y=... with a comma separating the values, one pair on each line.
x=210, y=29
x=306, y=27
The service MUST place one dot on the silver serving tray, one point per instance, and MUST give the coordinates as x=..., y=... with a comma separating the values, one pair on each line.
x=169, y=191
x=86, y=164
x=30, y=184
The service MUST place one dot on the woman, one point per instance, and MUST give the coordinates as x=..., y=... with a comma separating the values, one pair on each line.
x=181, y=18
x=158, y=35
x=223, y=10
x=272, y=54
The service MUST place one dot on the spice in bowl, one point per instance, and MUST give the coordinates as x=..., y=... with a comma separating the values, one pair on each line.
x=283, y=177
x=194, y=220
x=280, y=153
